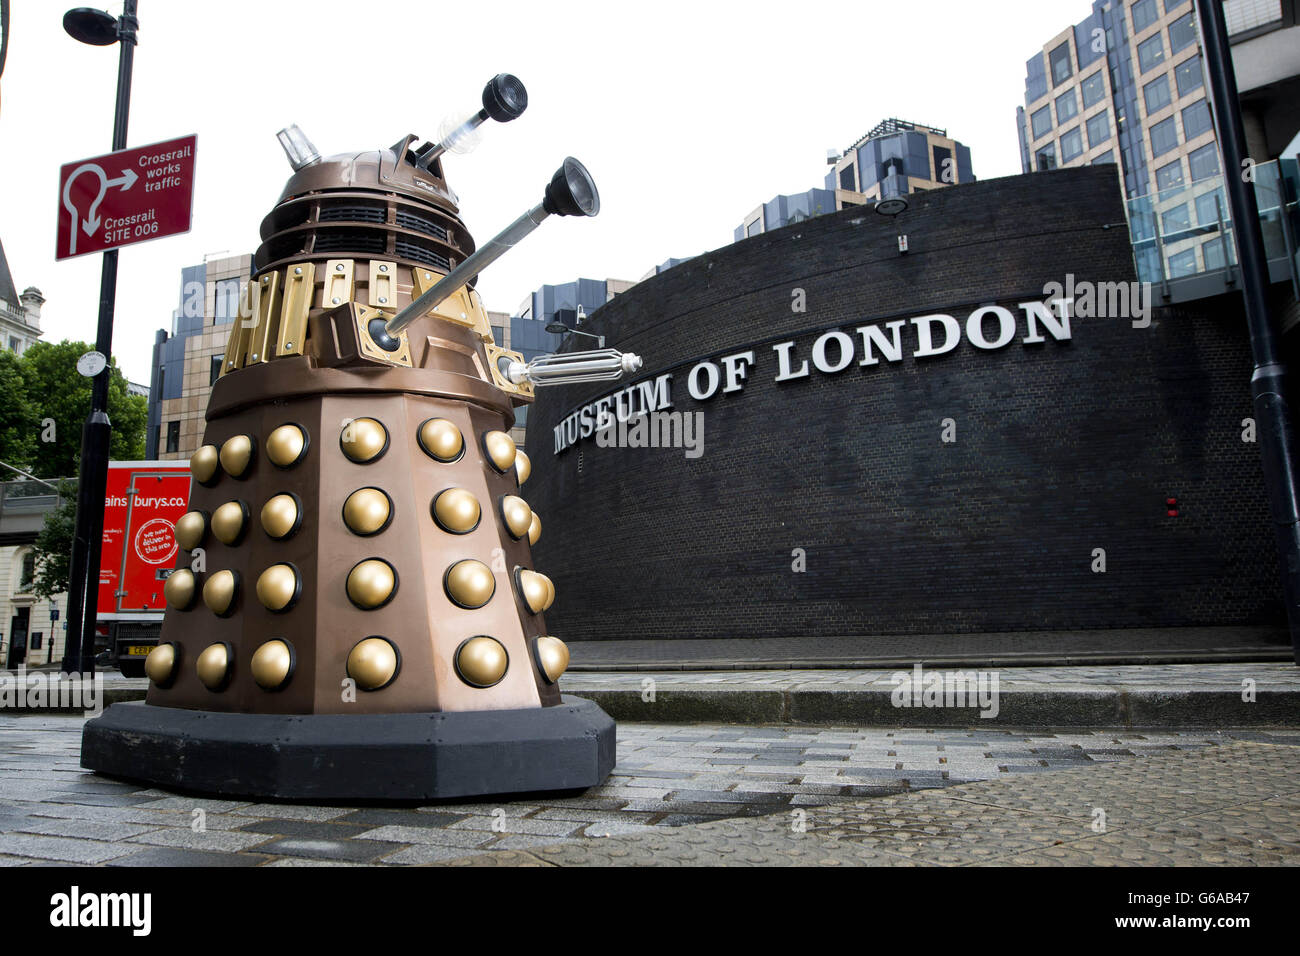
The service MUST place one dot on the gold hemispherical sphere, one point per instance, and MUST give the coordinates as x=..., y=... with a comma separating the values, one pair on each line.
x=237, y=455
x=552, y=657
x=441, y=439
x=534, y=529
x=371, y=583
x=281, y=516
x=456, y=510
x=278, y=587
x=219, y=592
x=363, y=440
x=286, y=445
x=272, y=665
x=482, y=661
x=204, y=464
x=373, y=663
x=523, y=465
x=160, y=665
x=517, y=515
x=533, y=588
x=229, y=522
x=179, y=589
x=470, y=583
x=500, y=449
x=213, y=666
x=367, y=511
x=190, y=529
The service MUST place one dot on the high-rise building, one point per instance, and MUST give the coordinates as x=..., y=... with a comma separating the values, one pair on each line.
x=893, y=159
x=187, y=362
x=1125, y=86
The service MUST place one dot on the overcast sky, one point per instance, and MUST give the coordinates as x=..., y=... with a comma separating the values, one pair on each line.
x=688, y=114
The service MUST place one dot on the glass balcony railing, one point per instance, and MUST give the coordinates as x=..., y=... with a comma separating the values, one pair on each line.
x=1187, y=230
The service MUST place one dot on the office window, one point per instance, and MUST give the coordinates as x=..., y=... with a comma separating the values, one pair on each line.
x=1212, y=253
x=1060, y=62
x=1067, y=107
x=1197, y=120
x=1151, y=52
x=1106, y=157
x=1167, y=177
x=848, y=180
x=1187, y=75
x=174, y=436
x=1208, y=210
x=1042, y=122
x=1098, y=129
x=1156, y=94
x=36, y=640
x=1094, y=88
x=1171, y=5
x=1045, y=158
x=1175, y=220
x=1182, y=33
x=1164, y=137
x=1203, y=163
x=1182, y=264
x=214, y=369
x=226, y=306
x=945, y=170
x=27, y=577
x=13, y=344
x=1071, y=145
x=1144, y=14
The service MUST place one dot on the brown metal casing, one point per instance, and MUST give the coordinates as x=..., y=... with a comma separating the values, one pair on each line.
x=300, y=358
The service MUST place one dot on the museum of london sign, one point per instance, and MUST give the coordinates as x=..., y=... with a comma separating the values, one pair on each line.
x=988, y=327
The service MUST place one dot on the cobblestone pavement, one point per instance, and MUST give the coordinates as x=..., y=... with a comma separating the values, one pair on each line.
x=715, y=793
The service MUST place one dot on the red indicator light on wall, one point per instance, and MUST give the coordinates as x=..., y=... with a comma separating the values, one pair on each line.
x=1172, y=505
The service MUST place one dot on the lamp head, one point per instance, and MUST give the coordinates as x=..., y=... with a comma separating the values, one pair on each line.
x=88, y=25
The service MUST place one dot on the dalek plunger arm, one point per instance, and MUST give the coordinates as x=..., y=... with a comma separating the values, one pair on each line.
x=571, y=192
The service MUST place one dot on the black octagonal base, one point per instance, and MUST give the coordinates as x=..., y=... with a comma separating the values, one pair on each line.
x=370, y=757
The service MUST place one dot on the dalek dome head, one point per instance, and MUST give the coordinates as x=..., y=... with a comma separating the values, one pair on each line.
x=391, y=202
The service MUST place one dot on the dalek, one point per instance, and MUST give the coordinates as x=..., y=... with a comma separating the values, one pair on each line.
x=355, y=612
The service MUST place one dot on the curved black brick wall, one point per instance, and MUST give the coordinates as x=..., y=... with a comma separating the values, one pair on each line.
x=1062, y=447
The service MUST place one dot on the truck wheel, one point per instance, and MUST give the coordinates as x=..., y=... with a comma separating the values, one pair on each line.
x=131, y=668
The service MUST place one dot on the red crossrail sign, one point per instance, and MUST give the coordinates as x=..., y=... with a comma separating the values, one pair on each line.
x=130, y=196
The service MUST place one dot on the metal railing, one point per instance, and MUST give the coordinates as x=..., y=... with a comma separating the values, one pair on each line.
x=1186, y=230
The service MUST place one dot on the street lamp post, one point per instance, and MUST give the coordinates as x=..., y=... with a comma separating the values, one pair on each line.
x=1268, y=384
x=97, y=28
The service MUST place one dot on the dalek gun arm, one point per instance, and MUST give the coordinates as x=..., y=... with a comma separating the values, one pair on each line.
x=571, y=192
x=597, y=365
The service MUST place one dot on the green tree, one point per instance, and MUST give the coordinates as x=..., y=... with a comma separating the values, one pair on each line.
x=53, y=547
x=60, y=401
x=18, y=421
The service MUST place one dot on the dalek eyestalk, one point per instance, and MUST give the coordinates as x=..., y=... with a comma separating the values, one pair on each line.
x=504, y=99
x=571, y=192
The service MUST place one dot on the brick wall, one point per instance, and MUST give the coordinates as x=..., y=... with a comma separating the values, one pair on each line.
x=1062, y=447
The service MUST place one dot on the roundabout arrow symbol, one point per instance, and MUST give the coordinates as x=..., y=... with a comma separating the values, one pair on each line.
x=91, y=221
